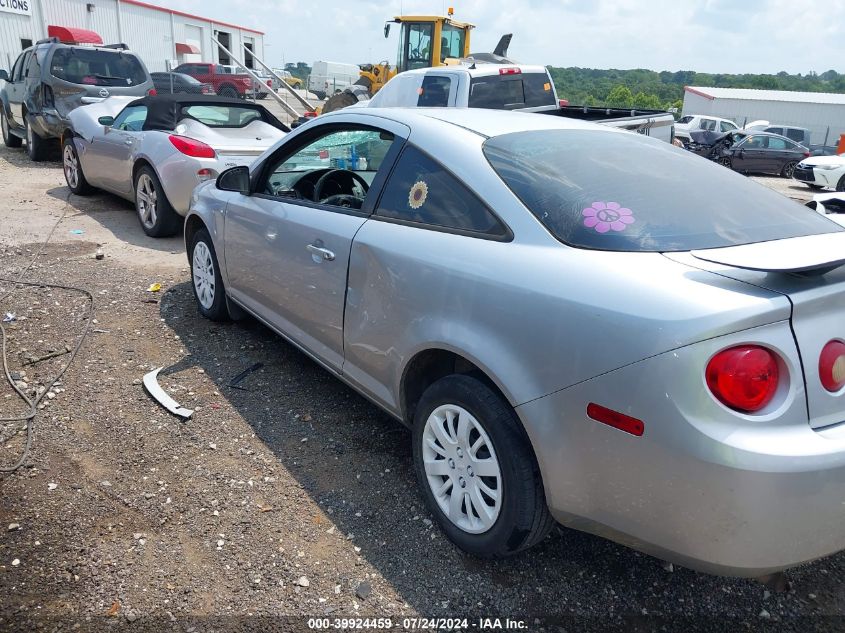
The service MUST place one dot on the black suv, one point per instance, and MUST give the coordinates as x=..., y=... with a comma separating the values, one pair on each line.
x=50, y=79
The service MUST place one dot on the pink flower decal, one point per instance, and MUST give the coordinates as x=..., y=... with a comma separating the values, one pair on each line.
x=607, y=216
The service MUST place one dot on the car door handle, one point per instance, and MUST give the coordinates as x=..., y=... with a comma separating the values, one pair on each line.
x=319, y=251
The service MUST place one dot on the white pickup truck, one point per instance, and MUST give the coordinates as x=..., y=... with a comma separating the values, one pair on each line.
x=507, y=87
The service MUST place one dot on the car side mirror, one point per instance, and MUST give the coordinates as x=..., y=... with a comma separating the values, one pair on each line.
x=386, y=29
x=234, y=179
x=4, y=75
x=106, y=121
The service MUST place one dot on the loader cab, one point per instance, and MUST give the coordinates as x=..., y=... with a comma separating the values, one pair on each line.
x=427, y=41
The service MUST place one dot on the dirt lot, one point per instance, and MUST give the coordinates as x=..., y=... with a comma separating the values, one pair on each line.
x=291, y=497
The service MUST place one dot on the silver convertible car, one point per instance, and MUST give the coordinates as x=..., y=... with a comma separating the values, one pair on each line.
x=153, y=151
x=572, y=332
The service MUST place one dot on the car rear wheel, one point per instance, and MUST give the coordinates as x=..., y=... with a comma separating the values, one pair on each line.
x=477, y=470
x=228, y=91
x=72, y=168
x=37, y=147
x=9, y=139
x=788, y=169
x=157, y=216
x=205, y=277
x=840, y=186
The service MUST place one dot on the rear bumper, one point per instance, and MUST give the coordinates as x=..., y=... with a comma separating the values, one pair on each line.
x=48, y=124
x=737, y=498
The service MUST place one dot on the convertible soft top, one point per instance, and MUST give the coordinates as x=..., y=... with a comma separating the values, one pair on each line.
x=164, y=111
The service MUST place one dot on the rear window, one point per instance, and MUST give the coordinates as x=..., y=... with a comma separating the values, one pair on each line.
x=795, y=134
x=508, y=92
x=97, y=67
x=222, y=115
x=625, y=192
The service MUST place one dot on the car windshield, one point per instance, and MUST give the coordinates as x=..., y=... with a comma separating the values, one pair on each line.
x=96, y=67
x=222, y=115
x=623, y=192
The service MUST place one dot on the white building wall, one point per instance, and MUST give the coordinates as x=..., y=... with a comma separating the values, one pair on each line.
x=150, y=33
x=825, y=121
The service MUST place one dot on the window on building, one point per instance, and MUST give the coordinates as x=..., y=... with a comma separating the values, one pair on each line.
x=25, y=43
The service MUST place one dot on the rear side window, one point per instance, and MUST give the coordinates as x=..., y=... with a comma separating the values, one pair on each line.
x=779, y=143
x=97, y=67
x=421, y=190
x=509, y=92
x=795, y=134
x=626, y=192
x=775, y=130
x=434, y=92
x=685, y=119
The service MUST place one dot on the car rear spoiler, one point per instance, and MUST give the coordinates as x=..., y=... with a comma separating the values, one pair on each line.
x=808, y=255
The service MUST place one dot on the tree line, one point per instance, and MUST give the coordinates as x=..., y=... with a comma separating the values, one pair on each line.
x=642, y=88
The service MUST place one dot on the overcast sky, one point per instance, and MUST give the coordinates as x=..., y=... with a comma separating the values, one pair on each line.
x=734, y=36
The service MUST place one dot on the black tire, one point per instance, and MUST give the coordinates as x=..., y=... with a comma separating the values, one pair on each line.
x=726, y=162
x=157, y=217
x=216, y=310
x=816, y=187
x=339, y=101
x=229, y=92
x=788, y=169
x=261, y=95
x=69, y=153
x=840, y=186
x=37, y=148
x=523, y=518
x=9, y=139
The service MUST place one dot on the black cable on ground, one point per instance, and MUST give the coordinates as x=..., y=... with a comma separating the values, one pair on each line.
x=29, y=417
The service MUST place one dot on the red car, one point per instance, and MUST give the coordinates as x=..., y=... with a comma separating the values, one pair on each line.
x=225, y=84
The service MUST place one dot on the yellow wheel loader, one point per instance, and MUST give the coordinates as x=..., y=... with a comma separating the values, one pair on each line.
x=424, y=41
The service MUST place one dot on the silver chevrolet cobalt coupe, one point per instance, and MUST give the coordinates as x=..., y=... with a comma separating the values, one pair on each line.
x=579, y=324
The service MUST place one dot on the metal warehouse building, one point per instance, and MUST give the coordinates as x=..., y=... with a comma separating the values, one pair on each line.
x=157, y=34
x=822, y=113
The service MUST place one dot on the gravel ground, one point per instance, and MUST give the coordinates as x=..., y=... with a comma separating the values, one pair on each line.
x=291, y=497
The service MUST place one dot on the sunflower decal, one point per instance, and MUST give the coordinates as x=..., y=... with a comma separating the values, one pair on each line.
x=417, y=195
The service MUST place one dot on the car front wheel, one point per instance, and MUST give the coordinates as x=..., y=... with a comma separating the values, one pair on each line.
x=205, y=277
x=74, y=177
x=477, y=470
x=9, y=139
x=726, y=162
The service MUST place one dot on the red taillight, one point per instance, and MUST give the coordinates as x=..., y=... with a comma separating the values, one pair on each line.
x=270, y=82
x=806, y=154
x=309, y=115
x=510, y=71
x=192, y=147
x=563, y=103
x=615, y=419
x=832, y=365
x=152, y=92
x=743, y=378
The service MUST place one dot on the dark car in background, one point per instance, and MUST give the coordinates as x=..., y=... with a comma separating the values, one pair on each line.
x=762, y=152
x=50, y=79
x=180, y=83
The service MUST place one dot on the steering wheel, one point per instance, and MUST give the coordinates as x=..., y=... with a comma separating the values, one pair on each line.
x=344, y=200
x=332, y=173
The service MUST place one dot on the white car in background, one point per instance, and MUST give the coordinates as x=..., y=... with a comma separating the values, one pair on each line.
x=696, y=122
x=818, y=172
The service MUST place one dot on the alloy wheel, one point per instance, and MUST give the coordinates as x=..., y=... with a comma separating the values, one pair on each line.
x=203, y=274
x=147, y=201
x=788, y=170
x=725, y=162
x=462, y=469
x=71, y=165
